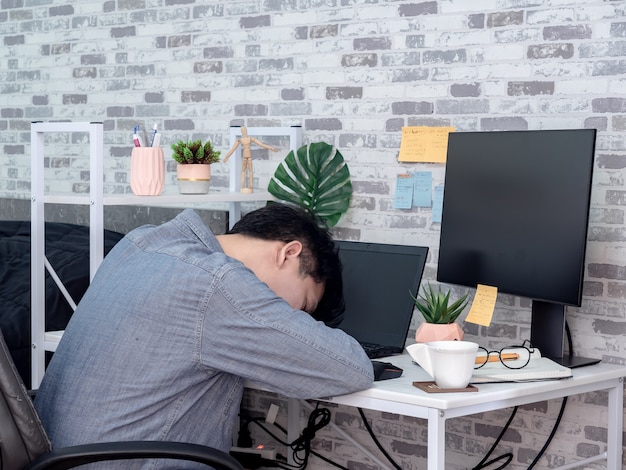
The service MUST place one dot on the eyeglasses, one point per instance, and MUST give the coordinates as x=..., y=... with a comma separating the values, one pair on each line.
x=511, y=357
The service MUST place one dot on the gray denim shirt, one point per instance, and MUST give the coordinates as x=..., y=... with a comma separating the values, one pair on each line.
x=163, y=340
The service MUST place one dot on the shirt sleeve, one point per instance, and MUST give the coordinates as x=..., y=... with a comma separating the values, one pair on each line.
x=250, y=332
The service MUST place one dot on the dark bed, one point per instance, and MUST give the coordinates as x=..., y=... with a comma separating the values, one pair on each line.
x=67, y=250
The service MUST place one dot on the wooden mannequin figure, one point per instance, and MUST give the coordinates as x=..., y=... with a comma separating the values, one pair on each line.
x=246, y=154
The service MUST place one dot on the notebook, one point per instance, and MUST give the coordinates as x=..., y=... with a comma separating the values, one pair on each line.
x=539, y=368
x=377, y=279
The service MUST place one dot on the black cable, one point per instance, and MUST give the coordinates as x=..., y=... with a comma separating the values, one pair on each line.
x=568, y=335
x=509, y=456
x=483, y=463
x=552, y=433
x=318, y=419
x=244, y=439
x=376, y=441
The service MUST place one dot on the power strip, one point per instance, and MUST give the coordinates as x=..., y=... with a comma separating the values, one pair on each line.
x=267, y=453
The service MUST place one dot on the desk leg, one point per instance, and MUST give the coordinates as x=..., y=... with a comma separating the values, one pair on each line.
x=616, y=418
x=436, y=439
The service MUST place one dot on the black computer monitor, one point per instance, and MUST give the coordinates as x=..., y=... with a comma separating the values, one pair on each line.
x=515, y=216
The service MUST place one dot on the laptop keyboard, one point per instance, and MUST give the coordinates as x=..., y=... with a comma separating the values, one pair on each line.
x=374, y=351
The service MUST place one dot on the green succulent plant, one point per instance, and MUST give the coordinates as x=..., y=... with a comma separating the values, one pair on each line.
x=434, y=305
x=195, y=152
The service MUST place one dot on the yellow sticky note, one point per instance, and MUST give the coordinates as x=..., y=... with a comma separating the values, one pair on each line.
x=424, y=144
x=482, y=307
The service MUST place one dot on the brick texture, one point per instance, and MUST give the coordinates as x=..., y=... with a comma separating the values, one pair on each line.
x=351, y=73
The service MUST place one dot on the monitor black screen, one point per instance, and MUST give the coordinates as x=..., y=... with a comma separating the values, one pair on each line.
x=377, y=279
x=515, y=216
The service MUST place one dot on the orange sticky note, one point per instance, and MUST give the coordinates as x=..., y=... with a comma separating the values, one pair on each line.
x=483, y=305
x=424, y=144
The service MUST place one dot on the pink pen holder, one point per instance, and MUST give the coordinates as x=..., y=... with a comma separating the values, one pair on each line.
x=147, y=171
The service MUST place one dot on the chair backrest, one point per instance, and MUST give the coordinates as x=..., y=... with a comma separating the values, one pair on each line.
x=22, y=436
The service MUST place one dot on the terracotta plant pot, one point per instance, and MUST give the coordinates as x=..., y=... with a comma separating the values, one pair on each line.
x=193, y=178
x=428, y=332
x=147, y=171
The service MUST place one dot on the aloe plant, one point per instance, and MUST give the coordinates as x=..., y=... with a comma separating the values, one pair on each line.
x=195, y=152
x=434, y=305
x=317, y=178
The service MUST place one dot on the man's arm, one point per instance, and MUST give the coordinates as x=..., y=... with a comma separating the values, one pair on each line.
x=258, y=336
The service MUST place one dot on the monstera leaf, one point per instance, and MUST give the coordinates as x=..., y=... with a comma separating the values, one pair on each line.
x=316, y=178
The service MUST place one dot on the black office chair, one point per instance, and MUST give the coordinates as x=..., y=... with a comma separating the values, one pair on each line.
x=24, y=444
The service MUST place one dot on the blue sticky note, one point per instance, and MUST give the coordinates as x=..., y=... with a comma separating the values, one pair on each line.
x=437, y=204
x=422, y=188
x=404, y=192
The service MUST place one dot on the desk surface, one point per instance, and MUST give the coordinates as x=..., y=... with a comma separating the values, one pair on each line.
x=399, y=396
x=384, y=394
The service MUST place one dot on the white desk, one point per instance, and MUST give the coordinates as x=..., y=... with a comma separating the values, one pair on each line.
x=401, y=397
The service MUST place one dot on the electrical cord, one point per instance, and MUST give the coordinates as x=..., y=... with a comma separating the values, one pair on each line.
x=244, y=439
x=508, y=456
x=552, y=433
x=483, y=464
x=376, y=441
x=568, y=335
x=301, y=447
x=320, y=417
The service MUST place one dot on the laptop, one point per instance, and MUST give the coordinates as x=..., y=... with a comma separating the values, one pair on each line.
x=377, y=279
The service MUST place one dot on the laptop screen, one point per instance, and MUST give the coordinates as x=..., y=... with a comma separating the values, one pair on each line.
x=377, y=279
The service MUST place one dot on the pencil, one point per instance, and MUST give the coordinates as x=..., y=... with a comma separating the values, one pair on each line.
x=503, y=357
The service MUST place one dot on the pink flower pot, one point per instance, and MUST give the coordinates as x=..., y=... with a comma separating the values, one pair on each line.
x=428, y=332
x=193, y=178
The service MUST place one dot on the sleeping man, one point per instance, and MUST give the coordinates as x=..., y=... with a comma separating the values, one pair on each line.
x=177, y=319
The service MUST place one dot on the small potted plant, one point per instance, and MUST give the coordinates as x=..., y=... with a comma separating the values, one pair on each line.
x=439, y=314
x=194, y=165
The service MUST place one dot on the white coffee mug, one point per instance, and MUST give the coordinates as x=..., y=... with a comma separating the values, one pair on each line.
x=449, y=363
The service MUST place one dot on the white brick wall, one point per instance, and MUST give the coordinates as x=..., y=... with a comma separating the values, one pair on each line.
x=347, y=71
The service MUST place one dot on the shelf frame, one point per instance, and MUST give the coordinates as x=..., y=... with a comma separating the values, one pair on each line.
x=42, y=341
x=295, y=142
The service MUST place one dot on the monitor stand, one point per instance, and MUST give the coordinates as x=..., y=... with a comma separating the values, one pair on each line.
x=548, y=334
x=575, y=361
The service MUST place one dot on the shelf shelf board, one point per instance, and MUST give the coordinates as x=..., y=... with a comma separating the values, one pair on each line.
x=164, y=199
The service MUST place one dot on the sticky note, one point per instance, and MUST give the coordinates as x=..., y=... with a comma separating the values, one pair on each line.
x=404, y=192
x=437, y=204
x=424, y=144
x=483, y=305
x=422, y=189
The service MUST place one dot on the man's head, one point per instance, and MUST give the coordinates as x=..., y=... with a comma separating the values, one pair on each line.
x=305, y=239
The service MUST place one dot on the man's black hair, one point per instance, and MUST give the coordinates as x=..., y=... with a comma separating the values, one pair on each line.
x=319, y=258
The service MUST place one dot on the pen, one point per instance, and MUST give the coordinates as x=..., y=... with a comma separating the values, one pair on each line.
x=503, y=357
x=154, y=133
x=157, y=140
x=136, y=140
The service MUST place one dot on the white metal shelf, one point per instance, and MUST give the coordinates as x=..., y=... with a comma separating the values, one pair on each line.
x=163, y=199
x=41, y=340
